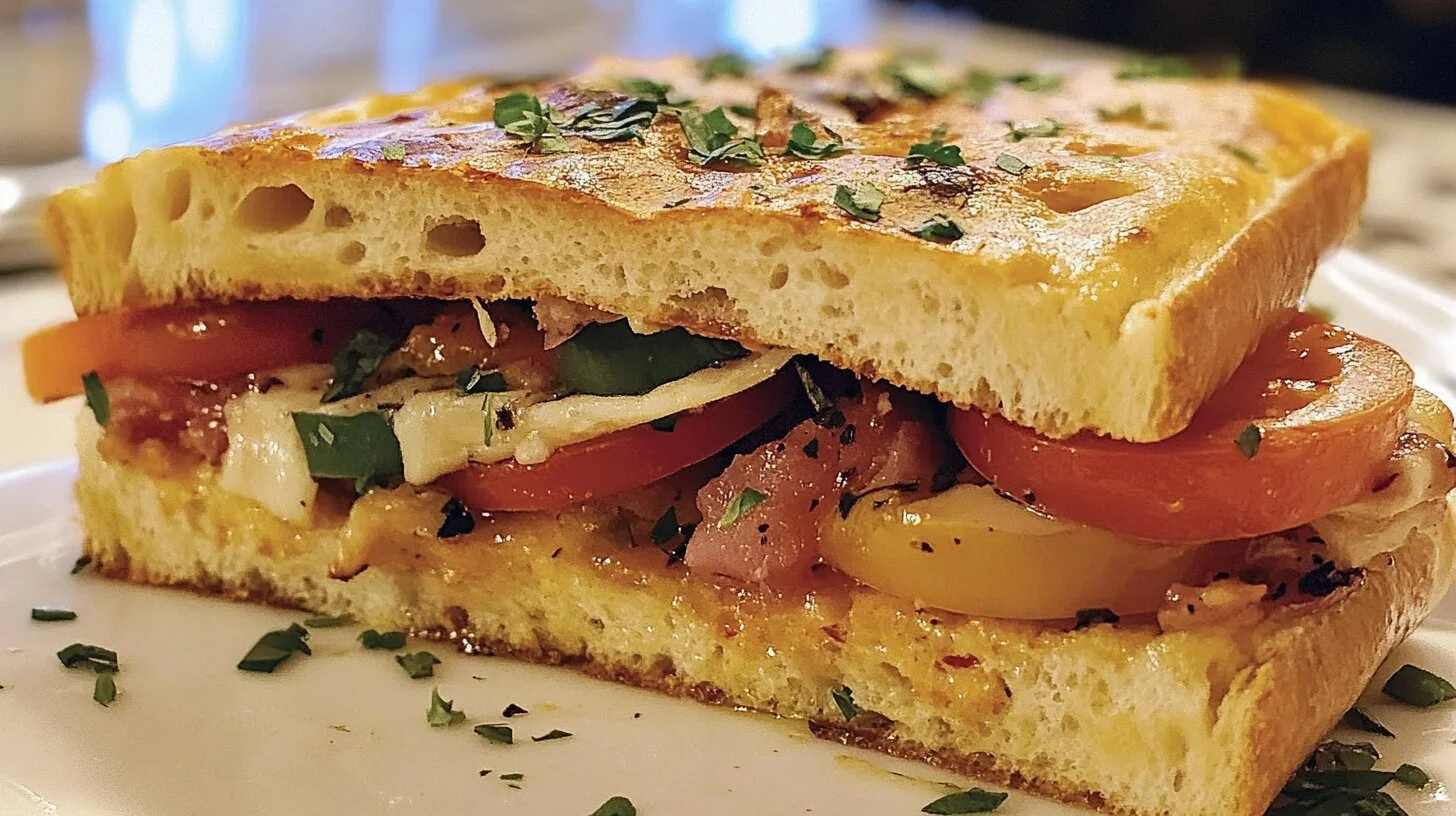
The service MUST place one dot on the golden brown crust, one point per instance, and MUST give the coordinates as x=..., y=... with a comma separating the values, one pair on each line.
x=1111, y=286
x=1204, y=721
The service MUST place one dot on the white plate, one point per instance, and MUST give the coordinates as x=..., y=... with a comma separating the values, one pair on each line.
x=344, y=731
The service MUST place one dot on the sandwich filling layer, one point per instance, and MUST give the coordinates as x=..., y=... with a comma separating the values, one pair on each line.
x=761, y=469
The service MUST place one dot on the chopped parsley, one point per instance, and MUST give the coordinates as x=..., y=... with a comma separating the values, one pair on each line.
x=1147, y=66
x=624, y=120
x=1033, y=82
x=616, y=806
x=496, y=732
x=418, y=664
x=474, y=381
x=275, y=647
x=1012, y=164
x=861, y=200
x=553, y=734
x=1338, y=778
x=329, y=622
x=81, y=564
x=743, y=109
x=1035, y=129
x=523, y=116
x=806, y=145
x=355, y=362
x=1089, y=617
x=50, y=614
x=918, y=77
x=812, y=61
x=1244, y=155
x=389, y=641
x=644, y=88
x=1412, y=776
x=938, y=228
x=936, y=150
x=723, y=64
x=739, y=506
x=84, y=655
x=975, y=800
x=1415, y=686
x=393, y=152
x=104, y=692
x=513, y=710
x=1360, y=721
x=96, y=398
x=712, y=137
x=442, y=713
x=1248, y=440
x=361, y=447
x=844, y=699
x=458, y=519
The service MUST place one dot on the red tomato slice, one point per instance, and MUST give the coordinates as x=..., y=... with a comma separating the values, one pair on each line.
x=1328, y=406
x=210, y=342
x=623, y=460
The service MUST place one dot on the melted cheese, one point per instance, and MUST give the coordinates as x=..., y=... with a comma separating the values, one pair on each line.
x=440, y=430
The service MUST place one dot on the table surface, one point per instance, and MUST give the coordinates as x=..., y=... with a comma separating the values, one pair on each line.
x=1407, y=222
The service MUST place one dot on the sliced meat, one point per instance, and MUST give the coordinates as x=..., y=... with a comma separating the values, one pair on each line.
x=875, y=440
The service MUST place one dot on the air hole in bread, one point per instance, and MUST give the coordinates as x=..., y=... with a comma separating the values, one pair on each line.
x=943, y=370
x=206, y=210
x=456, y=236
x=178, y=193
x=771, y=246
x=337, y=217
x=274, y=209
x=352, y=253
x=780, y=277
x=1069, y=196
x=831, y=277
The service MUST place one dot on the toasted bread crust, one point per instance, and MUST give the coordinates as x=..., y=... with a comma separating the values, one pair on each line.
x=1204, y=721
x=1111, y=286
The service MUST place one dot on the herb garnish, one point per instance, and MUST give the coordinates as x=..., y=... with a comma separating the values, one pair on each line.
x=609, y=359
x=938, y=228
x=616, y=806
x=666, y=424
x=361, y=447
x=354, y=363
x=1248, y=440
x=1415, y=686
x=513, y=710
x=329, y=622
x=522, y=115
x=88, y=656
x=665, y=528
x=49, y=614
x=980, y=84
x=275, y=647
x=844, y=699
x=936, y=150
x=811, y=62
x=740, y=505
x=624, y=120
x=1338, y=779
x=974, y=800
x=743, y=109
x=1359, y=720
x=96, y=398
x=1244, y=155
x=644, y=88
x=81, y=564
x=1033, y=82
x=393, y=152
x=418, y=664
x=1035, y=129
x=806, y=145
x=474, y=381
x=374, y=639
x=1412, y=776
x=1012, y=164
x=496, y=732
x=712, y=137
x=1132, y=112
x=723, y=64
x=1146, y=66
x=1088, y=617
x=917, y=76
x=820, y=403
x=513, y=777
x=458, y=519
x=553, y=734
x=861, y=200
x=104, y=692
x=442, y=712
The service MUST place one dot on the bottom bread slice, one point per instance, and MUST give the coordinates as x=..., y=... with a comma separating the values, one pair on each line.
x=1210, y=720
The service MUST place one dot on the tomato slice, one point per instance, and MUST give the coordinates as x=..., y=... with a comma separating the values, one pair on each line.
x=1328, y=406
x=622, y=460
x=209, y=342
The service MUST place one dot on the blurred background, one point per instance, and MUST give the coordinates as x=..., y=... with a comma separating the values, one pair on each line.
x=89, y=81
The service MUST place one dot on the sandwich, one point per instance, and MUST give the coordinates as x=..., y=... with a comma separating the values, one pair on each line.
x=969, y=417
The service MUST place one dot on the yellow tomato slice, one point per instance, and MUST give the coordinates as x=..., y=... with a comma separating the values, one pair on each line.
x=968, y=550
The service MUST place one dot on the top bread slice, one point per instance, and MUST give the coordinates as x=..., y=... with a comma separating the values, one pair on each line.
x=1126, y=240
